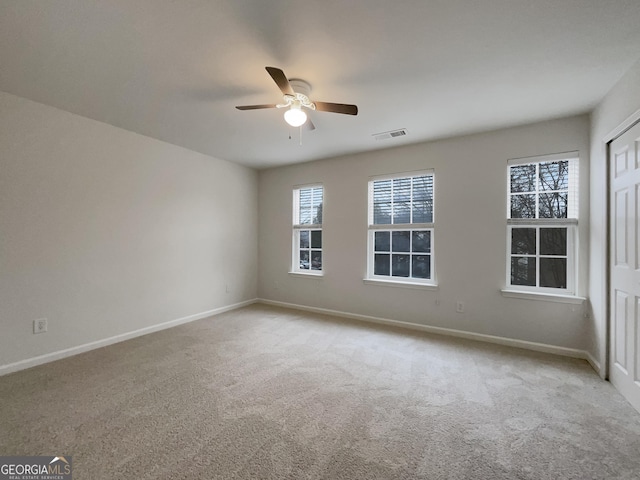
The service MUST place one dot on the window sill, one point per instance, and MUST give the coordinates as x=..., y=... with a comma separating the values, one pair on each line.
x=547, y=297
x=416, y=286
x=315, y=275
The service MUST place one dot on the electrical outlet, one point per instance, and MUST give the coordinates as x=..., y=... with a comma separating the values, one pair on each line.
x=460, y=306
x=40, y=325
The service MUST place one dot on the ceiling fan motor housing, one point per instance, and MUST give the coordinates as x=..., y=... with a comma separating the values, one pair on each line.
x=300, y=86
x=302, y=90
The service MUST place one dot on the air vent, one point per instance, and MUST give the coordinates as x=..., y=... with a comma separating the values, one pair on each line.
x=391, y=134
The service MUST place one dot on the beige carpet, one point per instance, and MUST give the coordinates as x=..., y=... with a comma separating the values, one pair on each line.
x=267, y=393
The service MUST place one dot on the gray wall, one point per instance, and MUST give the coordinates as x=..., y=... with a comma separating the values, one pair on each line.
x=621, y=102
x=104, y=231
x=470, y=235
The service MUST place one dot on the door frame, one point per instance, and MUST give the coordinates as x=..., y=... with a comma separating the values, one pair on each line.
x=622, y=128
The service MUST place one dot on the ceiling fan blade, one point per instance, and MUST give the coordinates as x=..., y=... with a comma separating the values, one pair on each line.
x=308, y=125
x=337, y=108
x=281, y=80
x=256, y=107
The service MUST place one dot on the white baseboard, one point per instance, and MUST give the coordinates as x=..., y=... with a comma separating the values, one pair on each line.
x=68, y=352
x=595, y=364
x=539, y=347
x=510, y=342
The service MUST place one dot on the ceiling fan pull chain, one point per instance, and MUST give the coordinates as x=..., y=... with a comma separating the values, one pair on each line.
x=300, y=135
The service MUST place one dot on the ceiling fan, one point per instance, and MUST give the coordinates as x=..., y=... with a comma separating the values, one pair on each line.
x=296, y=95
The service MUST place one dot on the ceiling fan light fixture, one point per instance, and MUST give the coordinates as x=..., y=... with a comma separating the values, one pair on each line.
x=295, y=116
x=295, y=96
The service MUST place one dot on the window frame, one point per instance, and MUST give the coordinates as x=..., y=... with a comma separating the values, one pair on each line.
x=570, y=223
x=372, y=228
x=298, y=227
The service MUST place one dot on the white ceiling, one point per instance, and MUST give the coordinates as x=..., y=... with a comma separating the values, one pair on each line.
x=175, y=69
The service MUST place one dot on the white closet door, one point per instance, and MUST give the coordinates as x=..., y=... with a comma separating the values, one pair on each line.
x=624, y=361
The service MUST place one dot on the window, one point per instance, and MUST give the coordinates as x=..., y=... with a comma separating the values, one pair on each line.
x=401, y=228
x=542, y=224
x=307, y=229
